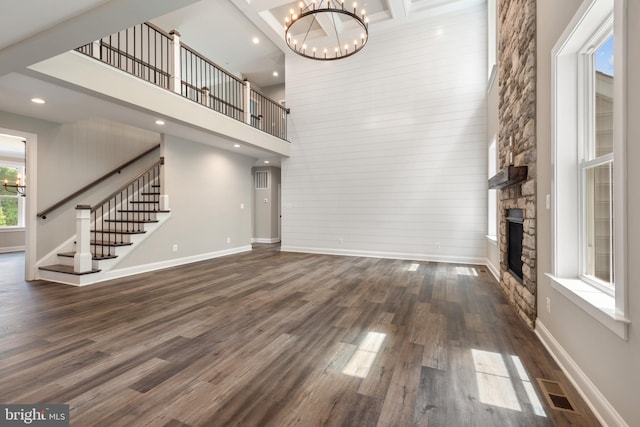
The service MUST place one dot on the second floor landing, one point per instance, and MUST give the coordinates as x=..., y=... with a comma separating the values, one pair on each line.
x=120, y=96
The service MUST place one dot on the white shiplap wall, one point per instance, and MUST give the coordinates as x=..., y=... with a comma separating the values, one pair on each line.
x=389, y=146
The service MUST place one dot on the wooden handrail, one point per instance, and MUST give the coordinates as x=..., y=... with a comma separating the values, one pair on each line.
x=43, y=214
x=124, y=187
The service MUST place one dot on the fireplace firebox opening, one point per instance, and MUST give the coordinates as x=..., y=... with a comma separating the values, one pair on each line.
x=515, y=221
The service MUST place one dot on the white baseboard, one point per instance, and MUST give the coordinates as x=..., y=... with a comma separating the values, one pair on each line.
x=114, y=274
x=263, y=240
x=602, y=409
x=8, y=249
x=388, y=255
x=493, y=269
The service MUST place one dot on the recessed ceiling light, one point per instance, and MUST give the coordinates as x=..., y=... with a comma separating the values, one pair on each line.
x=37, y=100
x=255, y=40
x=275, y=74
x=236, y=145
x=266, y=162
x=160, y=122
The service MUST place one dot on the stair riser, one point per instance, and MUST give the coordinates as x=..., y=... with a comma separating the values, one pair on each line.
x=65, y=260
x=133, y=216
x=117, y=226
x=110, y=237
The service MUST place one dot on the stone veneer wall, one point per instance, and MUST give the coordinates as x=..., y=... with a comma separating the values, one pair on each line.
x=517, y=121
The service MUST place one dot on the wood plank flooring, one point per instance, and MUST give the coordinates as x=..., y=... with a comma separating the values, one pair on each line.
x=278, y=339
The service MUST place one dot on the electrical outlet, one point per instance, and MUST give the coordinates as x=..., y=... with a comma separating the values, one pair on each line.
x=241, y=205
x=175, y=247
x=228, y=239
x=548, y=305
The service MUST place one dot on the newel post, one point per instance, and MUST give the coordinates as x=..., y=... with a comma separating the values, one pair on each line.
x=164, y=198
x=206, y=99
x=247, y=105
x=82, y=259
x=175, y=81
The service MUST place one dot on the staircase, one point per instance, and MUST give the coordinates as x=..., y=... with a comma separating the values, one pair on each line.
x=115, y=225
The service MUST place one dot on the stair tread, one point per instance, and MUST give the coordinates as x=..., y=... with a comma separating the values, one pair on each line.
x=118, y=231
x=142, y=211
x=132, y=221
x=150, y=194
x=68, y=269
x=101, y=243
x=93, y=256
x=145, y=201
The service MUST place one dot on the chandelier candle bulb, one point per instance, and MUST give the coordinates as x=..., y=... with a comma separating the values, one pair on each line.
x=355, y=6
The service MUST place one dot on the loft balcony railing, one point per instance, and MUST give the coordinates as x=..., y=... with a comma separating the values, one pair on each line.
x=158, y=57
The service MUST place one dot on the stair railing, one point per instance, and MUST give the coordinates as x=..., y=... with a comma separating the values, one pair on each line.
x=161, y=58
x=43, y=214
x=123, y=213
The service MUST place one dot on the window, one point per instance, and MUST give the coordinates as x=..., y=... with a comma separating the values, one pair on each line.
x=597, y=164
x=492, y=44
x=11, y=203
x=492, y=211
x=589, y=184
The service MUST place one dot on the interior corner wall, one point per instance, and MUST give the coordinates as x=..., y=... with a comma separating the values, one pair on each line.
x=388, y=147
x=210, y=193
x=592, y=354
x=493, y=252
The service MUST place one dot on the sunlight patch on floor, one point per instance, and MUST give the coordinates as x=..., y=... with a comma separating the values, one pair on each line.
x=362, y=360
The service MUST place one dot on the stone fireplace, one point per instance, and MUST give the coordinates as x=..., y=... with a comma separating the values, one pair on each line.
x=517, y=149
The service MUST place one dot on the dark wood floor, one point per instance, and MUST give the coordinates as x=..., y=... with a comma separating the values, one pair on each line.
x=278, y=339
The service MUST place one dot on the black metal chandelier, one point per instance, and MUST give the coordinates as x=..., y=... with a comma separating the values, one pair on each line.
x=17, y=188
x=347, y=31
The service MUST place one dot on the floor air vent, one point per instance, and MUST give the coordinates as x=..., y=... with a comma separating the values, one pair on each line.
x=555, y=395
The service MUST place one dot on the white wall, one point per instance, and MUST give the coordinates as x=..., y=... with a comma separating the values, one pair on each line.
x=11, y=240
x=389, y=146
x=71, y=156
x=206, y=187
x=594, y=355
x=276, y=92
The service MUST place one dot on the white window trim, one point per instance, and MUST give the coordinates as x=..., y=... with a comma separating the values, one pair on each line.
x=610, y=310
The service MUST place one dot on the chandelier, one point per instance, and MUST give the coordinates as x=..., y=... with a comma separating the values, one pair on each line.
x=17, y=187
x=343, y=31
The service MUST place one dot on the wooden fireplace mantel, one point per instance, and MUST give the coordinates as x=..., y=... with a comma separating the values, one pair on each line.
x=507, y=177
